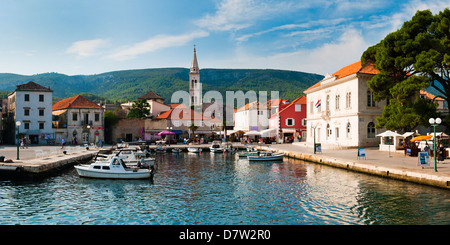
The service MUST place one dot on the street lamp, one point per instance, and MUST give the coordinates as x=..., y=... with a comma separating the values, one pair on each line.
x=170, y=131
x=434, y=123
x=18, y=123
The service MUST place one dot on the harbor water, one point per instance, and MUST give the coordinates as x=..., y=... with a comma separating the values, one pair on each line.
x=223, y=189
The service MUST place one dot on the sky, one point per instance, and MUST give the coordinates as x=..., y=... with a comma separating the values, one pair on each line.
x=84, y=37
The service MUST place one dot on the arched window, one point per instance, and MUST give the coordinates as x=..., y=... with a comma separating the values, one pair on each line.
x=349, y=127
x=371, y=130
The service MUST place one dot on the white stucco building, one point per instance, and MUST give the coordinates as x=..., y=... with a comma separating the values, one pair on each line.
x=252, y=117
x=341, y=110
x=78, y=120
x=31, y=104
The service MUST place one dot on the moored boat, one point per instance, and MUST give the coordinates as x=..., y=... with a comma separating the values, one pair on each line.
x=216, y=147
x=131, y=156
x=194, y=149
x=266, y=156
x=115, y=168
x=177, y=150
x=251, y=151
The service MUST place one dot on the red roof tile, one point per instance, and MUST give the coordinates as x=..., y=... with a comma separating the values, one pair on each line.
x=356, y=67
x=76, y=102
x=32, y=87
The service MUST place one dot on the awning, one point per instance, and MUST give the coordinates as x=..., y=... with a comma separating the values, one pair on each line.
x=271, y=132
x=57, y=113
x=407, y=134
x=252, y=133
x=288, y=130
x=178, y=131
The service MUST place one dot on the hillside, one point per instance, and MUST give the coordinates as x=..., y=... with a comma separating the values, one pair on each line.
x=130, y=84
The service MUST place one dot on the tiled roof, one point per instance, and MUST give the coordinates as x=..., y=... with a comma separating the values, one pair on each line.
x=151, y=96
x=183, y=114
x=76, y=102
x=429, y=96
x=32, y=87
x=356, y=67
x=299, y=101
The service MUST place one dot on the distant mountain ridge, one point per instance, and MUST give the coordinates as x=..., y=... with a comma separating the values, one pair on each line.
x=130, y=84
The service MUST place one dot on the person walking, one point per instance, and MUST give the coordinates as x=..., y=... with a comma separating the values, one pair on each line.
x=63, y=143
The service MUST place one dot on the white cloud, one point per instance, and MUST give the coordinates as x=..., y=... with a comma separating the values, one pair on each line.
x=87, y=47
x=156, y=43
x=238, y=14
x=327, y=58
x=410, y=9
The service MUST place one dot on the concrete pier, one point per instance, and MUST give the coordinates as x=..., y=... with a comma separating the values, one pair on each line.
x=40, y=161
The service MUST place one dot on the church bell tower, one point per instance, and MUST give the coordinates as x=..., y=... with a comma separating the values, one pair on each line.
x=195, y=87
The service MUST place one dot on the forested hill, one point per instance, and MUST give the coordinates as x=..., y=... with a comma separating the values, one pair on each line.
x=130, y=84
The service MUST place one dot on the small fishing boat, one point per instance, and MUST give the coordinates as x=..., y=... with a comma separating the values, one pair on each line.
x=194, y=149
x=266, y=156
x=251, y=151
x=229, y=148
x=216, y=147
x=177, y=150
x=115, y=168
x=160, y=147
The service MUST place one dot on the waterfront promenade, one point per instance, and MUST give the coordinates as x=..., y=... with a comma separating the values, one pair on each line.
x=385, y=164
x=392, y=165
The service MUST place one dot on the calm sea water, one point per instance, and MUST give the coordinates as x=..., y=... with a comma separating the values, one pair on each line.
x=217, y=189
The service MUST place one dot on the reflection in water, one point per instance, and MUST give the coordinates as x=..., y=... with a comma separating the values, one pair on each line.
x=205, y=188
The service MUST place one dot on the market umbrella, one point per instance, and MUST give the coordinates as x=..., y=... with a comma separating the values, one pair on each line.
x=422, y=137
x=165, y=132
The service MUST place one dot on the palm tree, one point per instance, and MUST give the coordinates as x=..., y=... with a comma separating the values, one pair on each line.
x=193, y=128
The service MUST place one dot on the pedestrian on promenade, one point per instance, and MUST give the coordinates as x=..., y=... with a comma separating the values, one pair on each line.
x=63, y=143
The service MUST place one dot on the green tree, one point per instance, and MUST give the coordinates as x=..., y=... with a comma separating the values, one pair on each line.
x=410, y=59
x=139, y=109
x=193, y=128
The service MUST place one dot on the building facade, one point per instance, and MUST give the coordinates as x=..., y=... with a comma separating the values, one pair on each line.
x=31, y=105
x=78, y=120
x=341, y=111
x=289, y=123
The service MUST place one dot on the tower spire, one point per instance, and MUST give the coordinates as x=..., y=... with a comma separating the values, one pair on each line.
x=194, y=65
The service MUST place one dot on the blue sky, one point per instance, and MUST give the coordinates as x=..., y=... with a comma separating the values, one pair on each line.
x=95, y=36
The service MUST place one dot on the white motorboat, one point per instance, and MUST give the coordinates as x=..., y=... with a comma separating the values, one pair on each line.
x=216, y=147
x=266, y=156
x=131, y=156
x=113, y=169
x=194, y=149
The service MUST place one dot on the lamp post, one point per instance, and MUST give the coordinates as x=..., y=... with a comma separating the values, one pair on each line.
x=18, y=123
x=434, y=123
x=170, y=136
x=314, y=146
